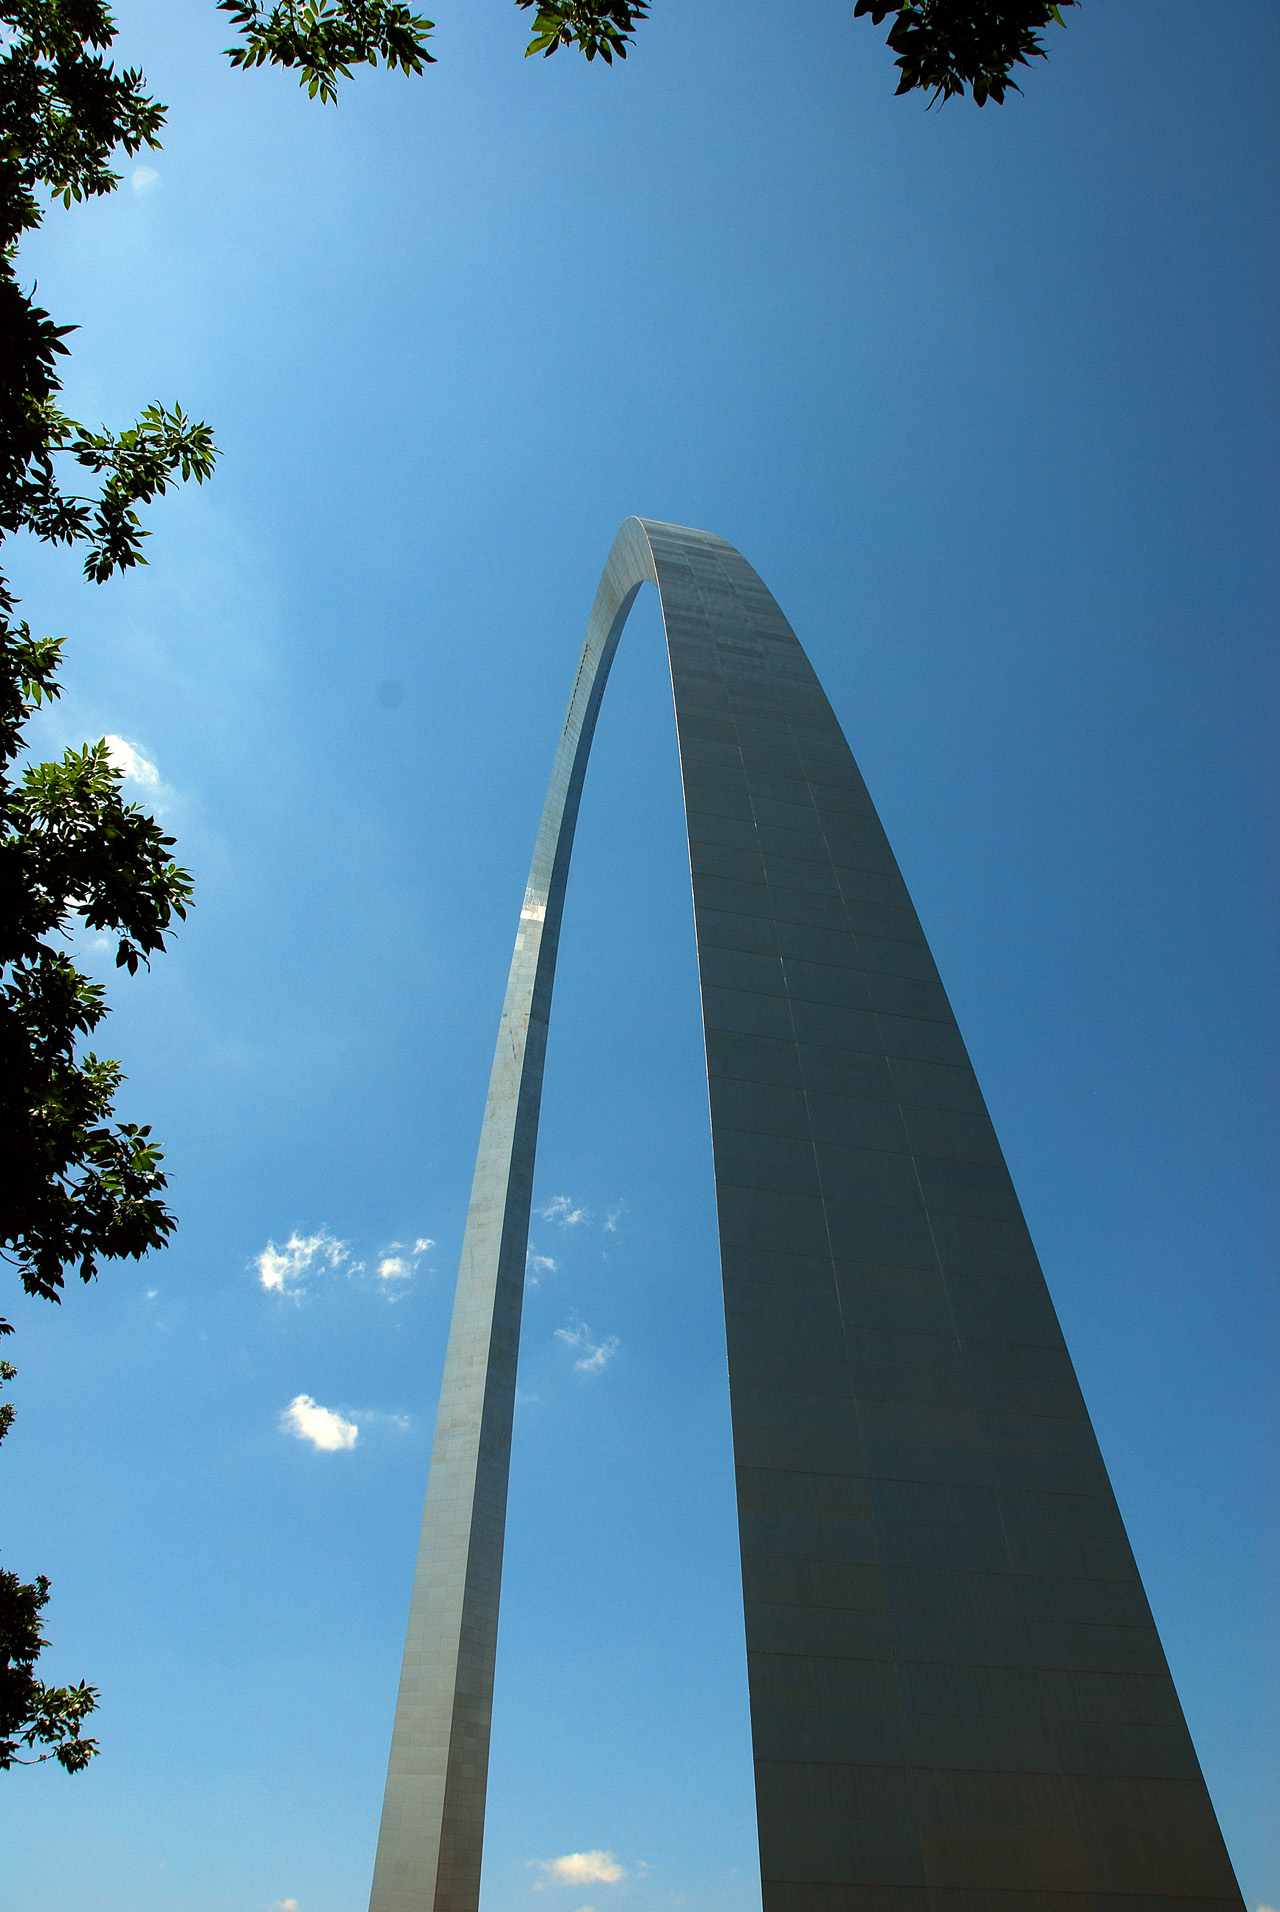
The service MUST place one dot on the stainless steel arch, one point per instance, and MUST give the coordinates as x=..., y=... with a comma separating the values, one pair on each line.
x=957, y=1688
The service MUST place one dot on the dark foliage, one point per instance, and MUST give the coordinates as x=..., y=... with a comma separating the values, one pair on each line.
x=326, y=39
x=595, y=26
x=77, y=1187
x=73, y=1187
x=32, y=1714
x=944, y=46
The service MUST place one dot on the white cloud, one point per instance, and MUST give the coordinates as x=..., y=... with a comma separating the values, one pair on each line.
x=595, y=1355
x=322, y=1426
x=129, y=759
x=285, y=1905
x=288, y=1270
x=596, y=1358
x=536, y=1266
x=399, y=1263
x=145, y=179
x=613, y=1217
x=581, y=1868
x=561, y=1209
x=284, y=1271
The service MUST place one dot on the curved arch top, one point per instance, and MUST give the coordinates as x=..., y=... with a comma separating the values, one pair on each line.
x=957, y=1689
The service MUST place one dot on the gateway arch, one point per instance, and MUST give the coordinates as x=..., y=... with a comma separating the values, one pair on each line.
x=959, y=1700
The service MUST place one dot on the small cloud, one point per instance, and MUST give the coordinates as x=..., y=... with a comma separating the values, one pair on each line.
x=145, y=179
x=284, y=1271
x=595, y=1355
x=596, y=1358
x=322, y=1426
x=613, y=1217
x=129, y=760
x=580, y=1868
x=288, y=1270
x=370, y=1417
x=399, y=1262
x=285, y=1905
x=561, y=1209
x=536, y=1266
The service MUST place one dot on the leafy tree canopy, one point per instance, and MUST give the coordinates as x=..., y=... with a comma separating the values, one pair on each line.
x=943, y=46
x=32, y=1714
x=72, y=1187
x=77, y=1187
x=326, y=38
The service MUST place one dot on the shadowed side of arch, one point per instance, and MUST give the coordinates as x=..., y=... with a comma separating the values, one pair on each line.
x=957, y=1689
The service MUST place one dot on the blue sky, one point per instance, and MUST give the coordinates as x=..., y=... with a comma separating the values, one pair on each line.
x=989, y=401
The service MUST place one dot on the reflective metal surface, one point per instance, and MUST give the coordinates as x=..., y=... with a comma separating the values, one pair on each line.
x=959, y=1699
